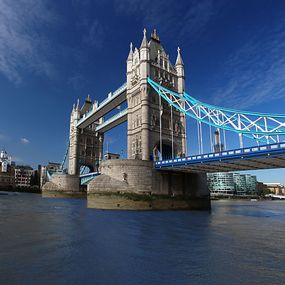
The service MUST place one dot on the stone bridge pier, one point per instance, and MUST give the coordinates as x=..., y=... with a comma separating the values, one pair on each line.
x=135, y=185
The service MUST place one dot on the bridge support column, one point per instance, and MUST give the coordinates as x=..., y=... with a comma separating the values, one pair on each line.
x=136, y=185
x=63, y=185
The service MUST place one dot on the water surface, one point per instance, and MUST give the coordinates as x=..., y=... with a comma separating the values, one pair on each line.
x=60, y=241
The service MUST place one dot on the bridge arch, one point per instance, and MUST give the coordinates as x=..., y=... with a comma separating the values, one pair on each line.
x=167, y=151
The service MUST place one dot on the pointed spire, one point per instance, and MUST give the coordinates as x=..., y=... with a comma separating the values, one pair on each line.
x=144, y=43
x=73, y=107
x=77, y=105
x=179, y=58
x=155, y=36
x=88, y=99
x=130, y=56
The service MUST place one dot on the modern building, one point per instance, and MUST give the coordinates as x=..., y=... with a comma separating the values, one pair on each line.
x=228, y=184
x=251, y=184
x=23, y=176
x=221, y=183
x=240, y=184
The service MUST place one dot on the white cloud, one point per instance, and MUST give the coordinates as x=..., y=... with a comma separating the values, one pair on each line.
x=182, y=20
x=22, y=46
x=255, y=72
x=25, y=141
x=92, y=32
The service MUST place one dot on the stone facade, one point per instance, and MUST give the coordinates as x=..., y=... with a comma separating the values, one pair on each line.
x=62, y=183
x=85, y=146
x=145, y=106
x=139, y=178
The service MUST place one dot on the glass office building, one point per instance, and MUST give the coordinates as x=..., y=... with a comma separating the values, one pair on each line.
x=231, y=184
x=240, y=184
x=221, y=183
x=251, y=184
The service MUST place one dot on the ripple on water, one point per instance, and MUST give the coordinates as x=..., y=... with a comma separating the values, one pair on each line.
x=60, y=241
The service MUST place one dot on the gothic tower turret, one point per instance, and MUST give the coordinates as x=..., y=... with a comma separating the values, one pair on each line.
x=85, y=145
x=153, y=126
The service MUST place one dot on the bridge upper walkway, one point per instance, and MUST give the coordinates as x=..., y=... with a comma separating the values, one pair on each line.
x=113, y=100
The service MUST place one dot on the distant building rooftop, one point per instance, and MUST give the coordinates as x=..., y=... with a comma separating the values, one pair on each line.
x=27, y=167
x=109, y=155
x=274, y=184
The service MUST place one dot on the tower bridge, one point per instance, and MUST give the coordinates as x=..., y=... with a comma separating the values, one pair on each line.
x=158, y=164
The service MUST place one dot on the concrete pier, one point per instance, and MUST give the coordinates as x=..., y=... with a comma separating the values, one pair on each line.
x=63, y=185
x=135, y=185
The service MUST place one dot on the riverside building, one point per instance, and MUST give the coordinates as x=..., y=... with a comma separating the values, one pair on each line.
x=229, y=184
x=23, y=176
x=240, y=184
x=221, y=183
x=275, y=187
x=6, y=170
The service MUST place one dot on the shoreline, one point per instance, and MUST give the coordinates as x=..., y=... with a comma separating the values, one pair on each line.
x=241, y=198
x=22, y=190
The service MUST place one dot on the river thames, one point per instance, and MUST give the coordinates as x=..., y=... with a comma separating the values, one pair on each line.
x=60, y=241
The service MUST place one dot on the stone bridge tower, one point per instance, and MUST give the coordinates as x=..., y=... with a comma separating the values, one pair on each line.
x=85, y=146
x=147, y=112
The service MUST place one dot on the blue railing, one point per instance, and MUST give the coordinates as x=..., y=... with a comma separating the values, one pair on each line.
x=217, y=156
x=84, y=178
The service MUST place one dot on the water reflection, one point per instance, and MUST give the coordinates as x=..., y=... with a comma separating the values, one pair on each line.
x=60, y=241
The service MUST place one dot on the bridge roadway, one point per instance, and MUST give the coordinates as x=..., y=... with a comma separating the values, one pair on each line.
x=250, y=158
x=113, y=100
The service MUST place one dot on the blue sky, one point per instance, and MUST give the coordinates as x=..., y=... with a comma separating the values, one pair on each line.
x=53, y=52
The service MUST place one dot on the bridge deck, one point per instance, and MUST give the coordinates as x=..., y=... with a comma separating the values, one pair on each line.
x=113, y=121
x=114, y=99
x=252, y=158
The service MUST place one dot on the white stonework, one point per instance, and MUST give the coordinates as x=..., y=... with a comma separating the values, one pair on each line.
x=147, y=112
x=152, y=61
x=85, y=146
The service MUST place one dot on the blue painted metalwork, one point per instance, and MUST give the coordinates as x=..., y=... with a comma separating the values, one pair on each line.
x=85, y=178
x=230, y=155
x=258, y=126
x=50, y=174
x=65, y=156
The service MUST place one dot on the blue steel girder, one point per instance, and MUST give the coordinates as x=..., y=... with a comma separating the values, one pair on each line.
x=258, y=126
x=84, y=178
x=250, y=158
